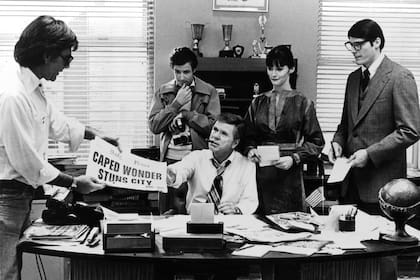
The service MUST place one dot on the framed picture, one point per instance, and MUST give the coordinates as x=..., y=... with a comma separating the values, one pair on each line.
x=241, y=5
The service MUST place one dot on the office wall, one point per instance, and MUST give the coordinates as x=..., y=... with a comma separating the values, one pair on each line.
x=289, y=22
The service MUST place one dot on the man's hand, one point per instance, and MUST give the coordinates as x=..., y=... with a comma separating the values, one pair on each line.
x=284, y=163
x=254, y=156
x=173, y=127
x=227, y=208
x=86, y=184
x=183, y=95
x=91, y=132
x=336, y=153
x=359, y=158
x=170, y=176
x=112, y=141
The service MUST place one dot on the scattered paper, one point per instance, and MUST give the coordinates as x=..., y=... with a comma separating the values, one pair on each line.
x=339, y=171
x=252, y=250
x=294, y=250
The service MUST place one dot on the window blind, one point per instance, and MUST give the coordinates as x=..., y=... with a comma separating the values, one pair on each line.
x=109, y=84
x=400, y=22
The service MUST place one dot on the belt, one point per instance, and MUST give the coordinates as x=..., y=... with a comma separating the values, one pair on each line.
x=15, y=184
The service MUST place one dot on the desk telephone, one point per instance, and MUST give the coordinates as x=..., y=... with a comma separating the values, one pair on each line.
x=70, y=212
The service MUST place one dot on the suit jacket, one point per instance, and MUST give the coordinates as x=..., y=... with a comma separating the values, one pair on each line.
x=205, y=106
x=388, y=122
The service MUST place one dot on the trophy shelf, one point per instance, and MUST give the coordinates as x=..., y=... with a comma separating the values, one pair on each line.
x=234, y=78
x=231, y=64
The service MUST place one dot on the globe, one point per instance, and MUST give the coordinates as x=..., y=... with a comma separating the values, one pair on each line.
x=399, y=200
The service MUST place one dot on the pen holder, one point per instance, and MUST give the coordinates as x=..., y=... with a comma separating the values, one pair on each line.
x=346, y=223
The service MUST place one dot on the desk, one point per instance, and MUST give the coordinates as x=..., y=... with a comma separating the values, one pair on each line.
x=93, y=263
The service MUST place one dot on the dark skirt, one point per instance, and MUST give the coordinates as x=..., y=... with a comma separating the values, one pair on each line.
x=279, y=190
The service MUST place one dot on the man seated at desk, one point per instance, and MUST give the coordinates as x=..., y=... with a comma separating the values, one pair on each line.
x=219, y=174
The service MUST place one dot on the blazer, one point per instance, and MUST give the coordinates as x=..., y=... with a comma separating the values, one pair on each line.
x=205, y=106
x=388, y=122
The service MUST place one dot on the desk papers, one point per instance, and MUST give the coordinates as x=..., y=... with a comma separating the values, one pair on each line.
x=339, y=171
x=256, y=230
x=294, y=221
x=252, y=250
x=41, y=233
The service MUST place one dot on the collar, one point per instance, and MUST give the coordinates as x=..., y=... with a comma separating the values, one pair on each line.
x=191, y=85
x=375, y=65
x=29, y=79
x=230, y=158
x=199, y=87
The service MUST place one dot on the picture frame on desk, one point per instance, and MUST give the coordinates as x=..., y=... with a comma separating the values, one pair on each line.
x=241, y=5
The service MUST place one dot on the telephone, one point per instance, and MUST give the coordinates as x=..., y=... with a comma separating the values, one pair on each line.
x=70, y=212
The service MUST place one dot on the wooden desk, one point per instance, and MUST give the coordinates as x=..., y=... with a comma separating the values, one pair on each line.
x=92, y=263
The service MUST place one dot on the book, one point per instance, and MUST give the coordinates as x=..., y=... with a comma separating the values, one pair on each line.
x=293, y=222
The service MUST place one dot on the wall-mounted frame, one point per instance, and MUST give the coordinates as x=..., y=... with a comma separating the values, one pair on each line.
x=241, y=5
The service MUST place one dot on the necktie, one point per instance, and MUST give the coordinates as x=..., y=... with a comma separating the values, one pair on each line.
x=216, y=190
x=364, y=81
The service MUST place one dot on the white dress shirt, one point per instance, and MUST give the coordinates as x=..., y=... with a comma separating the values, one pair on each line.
x=375, y=65
x=27, y=121
x=239, y=181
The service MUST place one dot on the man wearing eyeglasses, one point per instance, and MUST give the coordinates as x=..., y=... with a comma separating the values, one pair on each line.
x=380, y=120
x=27, y=121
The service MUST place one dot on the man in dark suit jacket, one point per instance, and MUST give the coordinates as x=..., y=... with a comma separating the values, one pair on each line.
x=380, y=119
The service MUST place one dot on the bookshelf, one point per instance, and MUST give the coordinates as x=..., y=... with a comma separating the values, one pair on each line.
x=234, y=78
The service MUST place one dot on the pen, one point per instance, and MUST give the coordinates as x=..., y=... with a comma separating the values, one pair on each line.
x=245, y=247
x=333, y=150
x=86, y=236
x=93, y=233
x=82, y=232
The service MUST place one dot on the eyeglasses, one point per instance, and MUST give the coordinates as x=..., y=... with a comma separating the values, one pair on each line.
x=67, y=59
x=355, y=46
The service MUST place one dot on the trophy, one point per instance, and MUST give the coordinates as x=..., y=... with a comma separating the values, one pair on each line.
x=260, y=47
x=197, y=33
x=227, y=36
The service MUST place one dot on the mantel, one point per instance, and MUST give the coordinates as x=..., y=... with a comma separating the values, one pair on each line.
x=231, y=64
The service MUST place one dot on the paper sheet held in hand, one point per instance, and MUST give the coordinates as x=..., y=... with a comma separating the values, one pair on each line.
x=269, y=154
x=340, y=169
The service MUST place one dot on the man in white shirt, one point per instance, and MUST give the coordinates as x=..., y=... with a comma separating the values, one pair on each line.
x=27, y=121
x=238, y=194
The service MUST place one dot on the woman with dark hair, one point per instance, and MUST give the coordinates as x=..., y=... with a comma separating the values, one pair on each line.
x=285, y=118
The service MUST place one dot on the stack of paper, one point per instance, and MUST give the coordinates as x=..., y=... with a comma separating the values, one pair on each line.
x=41, y=231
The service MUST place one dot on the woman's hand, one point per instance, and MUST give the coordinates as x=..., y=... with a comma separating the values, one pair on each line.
x=284, y=163
x=254, y=156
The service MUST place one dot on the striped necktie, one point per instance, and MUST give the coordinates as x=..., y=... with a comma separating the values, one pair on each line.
x=215, y=193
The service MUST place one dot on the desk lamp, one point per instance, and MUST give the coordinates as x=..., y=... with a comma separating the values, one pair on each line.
x=399, y=200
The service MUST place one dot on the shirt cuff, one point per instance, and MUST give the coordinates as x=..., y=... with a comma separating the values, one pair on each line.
x=77, y=133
